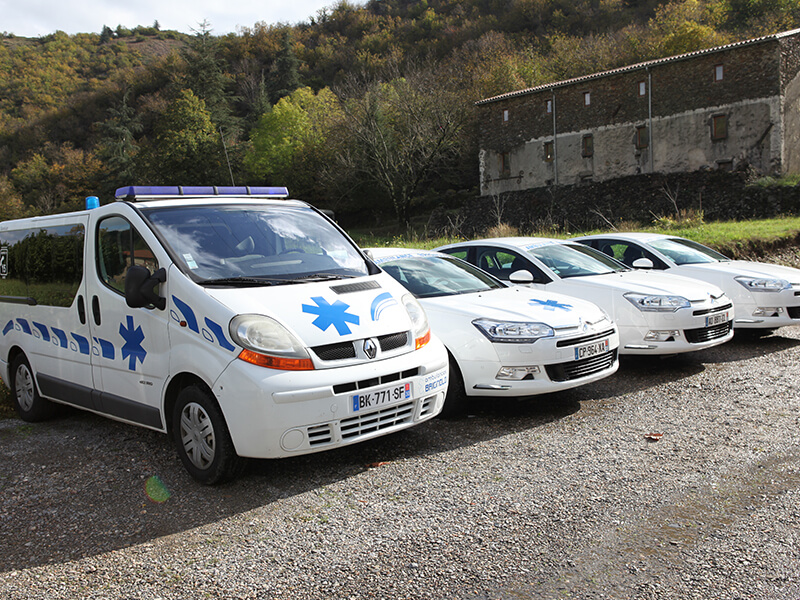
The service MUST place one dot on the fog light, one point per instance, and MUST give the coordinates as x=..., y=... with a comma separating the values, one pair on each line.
x=517, y=373
x=768, y=311
x=667, y=335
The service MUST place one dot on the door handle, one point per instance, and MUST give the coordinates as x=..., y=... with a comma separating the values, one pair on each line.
x=81, y=310
x=96, y=310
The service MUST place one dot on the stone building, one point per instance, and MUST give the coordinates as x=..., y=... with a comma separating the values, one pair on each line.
x=719, y=108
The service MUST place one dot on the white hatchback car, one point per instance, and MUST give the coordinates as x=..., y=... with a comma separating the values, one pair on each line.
x=655, y=313
x=503, y=341
x=765, y=296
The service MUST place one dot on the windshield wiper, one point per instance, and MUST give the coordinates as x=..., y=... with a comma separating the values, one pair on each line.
x=246, y=281
x=322, y=277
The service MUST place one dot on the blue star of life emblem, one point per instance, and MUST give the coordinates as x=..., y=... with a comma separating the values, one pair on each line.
x=331, y=314
x=132, y=350
x=549, y=304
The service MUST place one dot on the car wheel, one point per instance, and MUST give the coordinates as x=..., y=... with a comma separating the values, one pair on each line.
x=456, y=394
x=29, y=404
x=202, y=439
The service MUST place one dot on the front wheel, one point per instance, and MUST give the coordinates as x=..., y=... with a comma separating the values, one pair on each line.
x=29, y=404
x=202, y=439
x=456, y=399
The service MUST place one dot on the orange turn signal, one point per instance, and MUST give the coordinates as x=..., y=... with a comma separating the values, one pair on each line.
x=421, y=341
x=277, y=362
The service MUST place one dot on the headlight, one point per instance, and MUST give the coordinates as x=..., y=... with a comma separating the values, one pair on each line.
x=419, y=321
x=656, y=303
x=755, y=284
x=511, y=332
x=267, y=343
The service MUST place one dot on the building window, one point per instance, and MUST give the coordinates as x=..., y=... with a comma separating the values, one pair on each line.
x=642, y=88
x=549, y=151
x=718, y=73
x=587, y=98
x=642, y=137
x=505, y=165
x=548, y=107
x=505, y=116
x=719, y=127
x=587, y=146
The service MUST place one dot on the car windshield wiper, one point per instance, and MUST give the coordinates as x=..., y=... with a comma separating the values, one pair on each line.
x=246, y=281
x=322, y=277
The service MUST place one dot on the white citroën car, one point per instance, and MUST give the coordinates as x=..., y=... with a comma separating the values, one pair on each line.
x=503, y=340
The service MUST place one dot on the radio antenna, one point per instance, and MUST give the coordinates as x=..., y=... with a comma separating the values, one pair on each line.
x=228, y=160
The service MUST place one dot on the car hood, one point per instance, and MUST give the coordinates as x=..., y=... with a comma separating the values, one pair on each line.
x=736, y=268
x=325, y=312
x=648, y=282
x=518, y=304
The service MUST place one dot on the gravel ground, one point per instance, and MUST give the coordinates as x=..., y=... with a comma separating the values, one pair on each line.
x=561, y=496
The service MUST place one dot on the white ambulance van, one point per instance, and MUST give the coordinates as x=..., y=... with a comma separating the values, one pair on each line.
x=240, y=322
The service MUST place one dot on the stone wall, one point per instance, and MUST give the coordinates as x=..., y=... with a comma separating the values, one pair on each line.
x=721, y=196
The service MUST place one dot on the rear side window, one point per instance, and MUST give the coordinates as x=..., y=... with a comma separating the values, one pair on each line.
x=119, y=246
x=42, y=265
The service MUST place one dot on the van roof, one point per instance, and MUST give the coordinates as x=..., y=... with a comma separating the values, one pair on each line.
x=164, y=192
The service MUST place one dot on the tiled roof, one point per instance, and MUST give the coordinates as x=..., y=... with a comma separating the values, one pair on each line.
x=637, y=66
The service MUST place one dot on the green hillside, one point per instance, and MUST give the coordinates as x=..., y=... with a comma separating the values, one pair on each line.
x=366, y=109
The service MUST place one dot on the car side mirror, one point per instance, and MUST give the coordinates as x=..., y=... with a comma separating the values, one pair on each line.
x=140, y=287
x=643, y=263
x=521, y=277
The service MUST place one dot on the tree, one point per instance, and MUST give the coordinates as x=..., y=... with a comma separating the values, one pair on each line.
x=401, y=133
x=285, y=77
x=118, y=146
x=11, y=206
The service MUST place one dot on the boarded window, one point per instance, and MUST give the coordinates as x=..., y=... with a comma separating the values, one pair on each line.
x=719, y=127
x=505, y=165
x=549, y=151
x=587, y=146
x=642, y=137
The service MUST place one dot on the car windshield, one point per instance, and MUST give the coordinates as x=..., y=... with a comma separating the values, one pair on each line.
x=429, y=276
x=576, y=260
x=256, y=244
x=687, y=252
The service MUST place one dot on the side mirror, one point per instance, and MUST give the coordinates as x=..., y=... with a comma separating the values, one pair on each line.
x=642, y=263
x=140, y=287
x=521, y=277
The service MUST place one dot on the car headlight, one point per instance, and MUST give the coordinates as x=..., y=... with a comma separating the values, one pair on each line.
x=511, y=332
x=758, y=284
x=657, y=303
x=267, y=343
x=419, y=321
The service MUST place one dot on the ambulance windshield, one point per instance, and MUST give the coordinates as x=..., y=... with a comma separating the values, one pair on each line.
x=240, y=244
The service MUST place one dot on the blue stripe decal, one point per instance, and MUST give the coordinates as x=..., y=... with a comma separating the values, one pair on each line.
x=221, y=339
x=9, y=326
x=62, y=337
x=43, y=330
x=106, y=348
x=25, y=326
x=188, y=314
x=83, y=343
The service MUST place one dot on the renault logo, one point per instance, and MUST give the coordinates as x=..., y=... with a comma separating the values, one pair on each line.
x=370, y=348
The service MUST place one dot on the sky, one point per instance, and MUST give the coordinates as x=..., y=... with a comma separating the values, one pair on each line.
x=35, y=18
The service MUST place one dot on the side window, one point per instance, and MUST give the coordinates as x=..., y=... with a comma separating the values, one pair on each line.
x=462, y=254
x=44, y=265
x=502, y=263
x=627, y=253
x=119, y=246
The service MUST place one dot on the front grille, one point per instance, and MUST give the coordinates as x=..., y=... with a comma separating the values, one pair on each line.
x=793, y=311
x=393, y=341
x=705, y=334
x=336, y=351
x=319, y=435
x=345, y=388
x=708, y=311
x=383, y=419
x=583, y=339
x=581, y=368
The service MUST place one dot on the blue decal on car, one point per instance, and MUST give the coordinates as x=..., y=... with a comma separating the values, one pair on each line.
x=550, y=304
x=83, y=343
x=331, y=314
x=381, y=302
x=43, y=330
x=188, y=314
x=132, y=350
x=62, y=337
x=9, y=326
x=221, y=339
x=25, y=326
x=106, y=348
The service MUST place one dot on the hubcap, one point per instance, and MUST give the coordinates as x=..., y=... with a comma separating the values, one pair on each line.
x=197, y=434
x=24, y=388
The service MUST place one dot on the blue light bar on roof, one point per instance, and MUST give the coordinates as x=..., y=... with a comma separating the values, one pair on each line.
x=141, y=192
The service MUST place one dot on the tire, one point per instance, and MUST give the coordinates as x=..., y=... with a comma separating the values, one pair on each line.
x=29, y=404
x=202, y=439
x=456, y=399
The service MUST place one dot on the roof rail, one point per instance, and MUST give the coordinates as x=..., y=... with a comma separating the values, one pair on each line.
x=161, y=192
